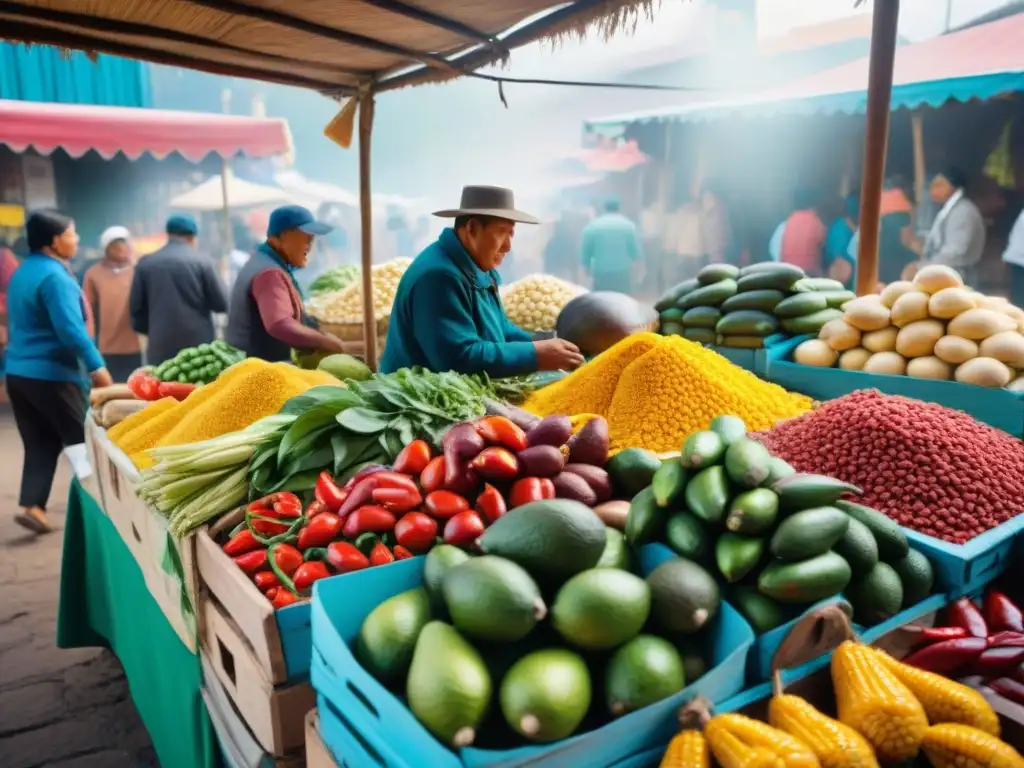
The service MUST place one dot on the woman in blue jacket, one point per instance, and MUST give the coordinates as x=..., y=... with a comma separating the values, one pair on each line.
x=48, y=339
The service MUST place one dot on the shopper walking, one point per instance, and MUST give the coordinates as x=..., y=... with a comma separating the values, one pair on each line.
x=107, y=287
x=48, y=340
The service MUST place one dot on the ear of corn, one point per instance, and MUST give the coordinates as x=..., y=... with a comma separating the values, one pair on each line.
x=688, y=749
x=731, y=752
x=873, y=702
x=944, y=700
x=836, y=745
x=794, y=753
x=952, y=745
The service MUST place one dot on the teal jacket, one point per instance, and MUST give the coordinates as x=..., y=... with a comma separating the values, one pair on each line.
x=447, y=316
x=609, y=244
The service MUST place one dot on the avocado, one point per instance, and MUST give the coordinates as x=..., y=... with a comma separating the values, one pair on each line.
x=685, y=534
x=737, y=555
x=803, y=490
x=858, y=547
x=746, y=462
x=702, y=449
x=753, y=511
x=546, y=694
x=747, y=322
x=645, y=520
x=708, y=295
x=676, y=292
x=915, y=571
x=836, y=299
x=601, y=608
x=449, y=688
x=774, y=267
x=777, y=469
x=671, y=328
x=730, y=428
x=892, y=544
x=695, y=662
x=344, y=367
x=877, y=596
x=764, y=301
x=552, y=539
x=701, y=317
x=440, y=560
x=616, y=551
x=668, y=483
x=632, y=470
x=809, y=533
x=388, y=636
x=684, y=596
x=760, y=611
x=492, y=598
x=801, y=304
x=645, y=670
x=806, y=581
x=707, y=494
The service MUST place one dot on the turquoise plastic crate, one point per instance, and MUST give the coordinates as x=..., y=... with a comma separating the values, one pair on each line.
x=963, y=568
x=753, y=360
x=998, y=407
x=362, y=707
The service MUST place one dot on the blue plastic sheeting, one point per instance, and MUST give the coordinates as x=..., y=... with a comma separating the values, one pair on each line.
x=43, y=73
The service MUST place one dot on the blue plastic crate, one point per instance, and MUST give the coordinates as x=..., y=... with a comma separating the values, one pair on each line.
x=376, y=715
x=962, y=568
x=753, y=360
x=998, y=407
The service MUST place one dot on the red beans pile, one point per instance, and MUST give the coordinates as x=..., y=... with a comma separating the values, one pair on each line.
x=932, y=469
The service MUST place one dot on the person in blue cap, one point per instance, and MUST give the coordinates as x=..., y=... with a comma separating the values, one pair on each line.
x=175, y=293
x=267, y=318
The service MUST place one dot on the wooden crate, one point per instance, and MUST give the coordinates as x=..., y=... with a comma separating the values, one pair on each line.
x=317, y=753
x=274, y=714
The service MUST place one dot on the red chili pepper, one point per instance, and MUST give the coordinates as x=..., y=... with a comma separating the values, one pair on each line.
x=497, y=430
x=287, y=559
x=1006, y=639
x=432, y=476
x=1018, y=674
x=368, y=519
x=345, y=557
x=328, y=492
x=240, y=543
x=284, y=598
x=397, y=500
x=948, y=656
x=265, y=580
x=1008, y=688
x=308, y=573
x=401, y=553
x=1002, y=613
x=253, y=561
x=380, y=554
x=366, y=471
x=529, y=489
x=464, y=529
x=362, y=492
x=175, y=389
x=493, y=463
x=413, y=459
x=271, y=593
x=490, y=504
x=316, y=507
x=934, y=634
x=997, y=661
x=416, y=531
x=320, y=531
x=445, y=504
x=262, y=513
x=964, y=613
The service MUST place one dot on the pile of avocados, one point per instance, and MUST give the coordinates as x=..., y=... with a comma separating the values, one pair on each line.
x=548, y=633
x=776, y=540
x=733, y=307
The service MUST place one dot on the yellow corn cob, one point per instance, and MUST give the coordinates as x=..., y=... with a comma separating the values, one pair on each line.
x=944, y=700
x=951, y=745
x=835, y=744
x=877, y=705
x=731, y=752
x=688, y=749
x=758, y=734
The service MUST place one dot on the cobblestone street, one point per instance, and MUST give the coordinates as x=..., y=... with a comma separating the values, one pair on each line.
x=58, y=708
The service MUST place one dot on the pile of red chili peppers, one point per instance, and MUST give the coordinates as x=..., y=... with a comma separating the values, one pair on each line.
x=987, y=641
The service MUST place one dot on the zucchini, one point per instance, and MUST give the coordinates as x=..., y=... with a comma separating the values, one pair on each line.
x=767, y=280
x=747, y=322
x=742, y=342
x=714, y=273
x=709, y=295
x=702, y=317
x=700, y=335
x=778, y=267
x=671, y=315
x=836, y=299
x=809, y=284
x=764, y=301
x=810, y=323
x=801, y=304
x=672, y=328
x=674, y=294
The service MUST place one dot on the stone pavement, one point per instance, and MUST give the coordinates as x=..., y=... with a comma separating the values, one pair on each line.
x=58, y=708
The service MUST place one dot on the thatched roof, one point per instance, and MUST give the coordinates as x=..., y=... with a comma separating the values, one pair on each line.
x=334, y=46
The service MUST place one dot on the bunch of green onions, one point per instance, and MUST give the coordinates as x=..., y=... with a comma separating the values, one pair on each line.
x=193, y=484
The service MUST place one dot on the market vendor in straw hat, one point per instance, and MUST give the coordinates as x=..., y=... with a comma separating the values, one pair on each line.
x=266, y=318
x=447, y=312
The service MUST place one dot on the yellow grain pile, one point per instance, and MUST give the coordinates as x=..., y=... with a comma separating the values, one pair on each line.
x=655, y=390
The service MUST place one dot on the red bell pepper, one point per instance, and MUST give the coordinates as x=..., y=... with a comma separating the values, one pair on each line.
x=328, y=493
x=175, y=389
x=286, y=559
x=964, y=613
x=497, y=430
x=490, y=504
x=1008, y=688
x=345, y=557
x=948, y=656
x=144, y=386
x=994, y=662
x=316, y=507
x=253, y=561
x=380, y=554
x=368, y=519
x=309, y=572
x=320, y=531
x=416, y=531
x=934, y=634
x=240, y=543
x=1006, y=639
x=284, y=598
x=1002, y=613
x=445, y=504
x=432, y=476
x=529, y=489
x=413, y=459
x=401, y=553
x=497, y=464
x=464, y=529
x=265, y=580
x=397, y=500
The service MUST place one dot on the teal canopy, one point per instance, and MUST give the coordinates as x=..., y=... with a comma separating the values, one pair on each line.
x=43, y=73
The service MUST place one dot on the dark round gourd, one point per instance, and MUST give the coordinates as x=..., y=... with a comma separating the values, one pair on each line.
x=599, y=320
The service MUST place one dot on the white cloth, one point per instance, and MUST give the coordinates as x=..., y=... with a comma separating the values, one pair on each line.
x=110, y=234
x=78, y=457
x=941, y=216
x=1014, y=253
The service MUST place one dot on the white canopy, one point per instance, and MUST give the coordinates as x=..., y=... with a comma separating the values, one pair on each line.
x=209, y=196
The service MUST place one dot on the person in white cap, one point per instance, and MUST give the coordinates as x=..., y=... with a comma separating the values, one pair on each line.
x=107, y=287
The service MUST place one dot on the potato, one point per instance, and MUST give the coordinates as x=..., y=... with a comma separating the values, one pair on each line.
x=880, y=341
x=979, y=324
x=984, y=372
x=815, y=352
x=866, y=313
x=910, y=307
x=839, y=334
x=929, y=367
x=854, y=359
x=918, y=339
x=886, y=362
x=1006, y=347
x=893, y=291
x=998, y=303
x=932, y=278
x=955, y=350
x=950, y=302
x=1017, y=385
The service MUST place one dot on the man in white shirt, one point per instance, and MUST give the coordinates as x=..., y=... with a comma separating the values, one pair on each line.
x=1014, y=258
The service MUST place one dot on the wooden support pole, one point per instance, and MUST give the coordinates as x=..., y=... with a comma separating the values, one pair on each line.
x=917, y=131
x=366, y=105
x=883, y=56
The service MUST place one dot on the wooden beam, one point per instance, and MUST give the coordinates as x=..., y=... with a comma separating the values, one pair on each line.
x=917, y=133
x=433, y=19
x=366, y=106
x=883, y=57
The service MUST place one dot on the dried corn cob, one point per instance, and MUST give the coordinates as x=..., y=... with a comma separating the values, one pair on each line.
x=758, y=734
x=731, y=752
x=835, y=744
x=688, y=749
x=951, y=745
